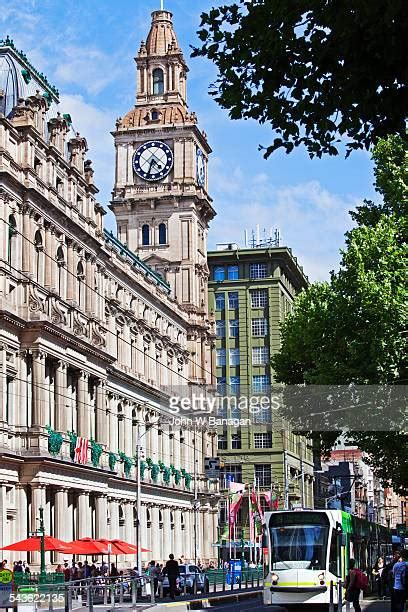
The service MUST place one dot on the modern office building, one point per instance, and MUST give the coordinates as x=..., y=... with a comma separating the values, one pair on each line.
x=251, y=290
x=91, y=336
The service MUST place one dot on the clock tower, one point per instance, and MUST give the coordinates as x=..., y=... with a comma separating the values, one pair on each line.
x=160, y=198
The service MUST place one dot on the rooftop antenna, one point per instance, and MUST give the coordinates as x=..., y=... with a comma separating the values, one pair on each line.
x=162, y=5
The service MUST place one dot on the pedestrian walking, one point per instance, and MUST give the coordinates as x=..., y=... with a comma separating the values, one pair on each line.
x=172, y=570
x=387, y=575
x=399, y=589
x=353, y=586
x=154, y=573
x=377, y=572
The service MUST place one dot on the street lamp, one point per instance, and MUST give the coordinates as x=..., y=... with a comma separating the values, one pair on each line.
x=42, y=542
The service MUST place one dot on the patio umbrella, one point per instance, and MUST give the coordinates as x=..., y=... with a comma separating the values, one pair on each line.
x=85, y=546
x=34, y=544
x=120, y=547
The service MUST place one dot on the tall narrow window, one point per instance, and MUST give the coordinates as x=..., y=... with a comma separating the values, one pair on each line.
x=145, y=235
x=12, y=232
x=80, y=284
x=38, y=243
x=162, y=233
x=60, y=264
x=158, y=81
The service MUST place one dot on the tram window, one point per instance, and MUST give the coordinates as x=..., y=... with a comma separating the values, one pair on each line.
x=334, y=560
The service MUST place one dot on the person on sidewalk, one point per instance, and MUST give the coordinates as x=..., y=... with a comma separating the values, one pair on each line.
x=173, y=572
x=400, y=575
x=352, y=586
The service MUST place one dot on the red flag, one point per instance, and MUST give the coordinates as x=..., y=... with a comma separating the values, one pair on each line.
x=272, y=500
x=235, y=503
x=256, y=513
x=81, y=450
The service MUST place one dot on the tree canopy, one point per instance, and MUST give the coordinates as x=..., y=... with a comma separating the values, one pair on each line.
x=320, y=72
x=352, y=330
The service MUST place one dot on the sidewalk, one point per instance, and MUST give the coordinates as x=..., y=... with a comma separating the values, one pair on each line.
x=376, y=606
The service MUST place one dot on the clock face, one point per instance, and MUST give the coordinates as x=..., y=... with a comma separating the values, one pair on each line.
x=200, y=168
x=153, y=160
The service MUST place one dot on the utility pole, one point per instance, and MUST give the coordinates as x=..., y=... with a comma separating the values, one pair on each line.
x=139, y=452
x=196, y=503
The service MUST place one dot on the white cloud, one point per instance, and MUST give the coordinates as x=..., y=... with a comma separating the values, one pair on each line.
x=95, y=124
x=312, y=220
x=87, y=67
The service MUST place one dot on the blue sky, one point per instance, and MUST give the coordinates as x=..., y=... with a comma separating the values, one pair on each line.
x=87, y=48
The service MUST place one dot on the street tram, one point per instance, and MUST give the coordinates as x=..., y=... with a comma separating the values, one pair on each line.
x=308, y=549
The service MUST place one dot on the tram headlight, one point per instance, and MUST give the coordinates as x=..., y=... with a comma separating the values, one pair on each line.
x=274, y=579
x=320, y=578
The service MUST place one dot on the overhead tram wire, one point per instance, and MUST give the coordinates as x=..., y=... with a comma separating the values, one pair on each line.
x=16, y=231
x=91, y=409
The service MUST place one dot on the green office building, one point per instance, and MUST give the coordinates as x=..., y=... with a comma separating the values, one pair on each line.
x=251, y=290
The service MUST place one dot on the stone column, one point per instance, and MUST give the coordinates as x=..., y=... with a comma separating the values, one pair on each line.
x=114, y=519
x=83, y=406
x=38, y=500
x=3, y=382
x=84, y=515
x=61, y=420
x=130, y=529
x=156, y=533
x=101, y=511
x=4, y=536
x=129, y=446
x=144, y=531
x=178, y=534
x=167, y=543
x=39, y=409
x=101, y=416
x=22, y=512
x=113, y=425
x=22, y=390
x=60, y=518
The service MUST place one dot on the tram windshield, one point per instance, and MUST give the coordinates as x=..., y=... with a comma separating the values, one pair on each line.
x=299, y=546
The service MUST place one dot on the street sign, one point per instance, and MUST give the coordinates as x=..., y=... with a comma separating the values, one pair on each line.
x=212, y=467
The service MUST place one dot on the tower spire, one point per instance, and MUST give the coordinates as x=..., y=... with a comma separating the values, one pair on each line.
x=162, y=5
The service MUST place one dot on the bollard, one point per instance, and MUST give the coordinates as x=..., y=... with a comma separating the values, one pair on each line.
x=121, y=592
x=340, y=596
x=90, y=597
x=161, y=590
x=331, y=596
x=215, y=583
x=246, y=580
x=252, y=579
x=223, y=580
x=152, y=591
x=134, y=593
x=105, y=593
x=195, y=584
x=112, y=595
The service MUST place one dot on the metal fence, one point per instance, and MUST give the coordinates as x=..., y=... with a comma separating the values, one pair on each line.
x=129, y=590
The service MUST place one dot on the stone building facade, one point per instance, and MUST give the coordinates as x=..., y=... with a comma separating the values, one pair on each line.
x=91, y=340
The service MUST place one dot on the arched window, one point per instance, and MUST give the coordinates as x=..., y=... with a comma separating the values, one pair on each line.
x=38, y=244
x=12, y=233
x=60, y=264
x=80, y=284
x=158, y=81
x=145, y=235
x=162, y=233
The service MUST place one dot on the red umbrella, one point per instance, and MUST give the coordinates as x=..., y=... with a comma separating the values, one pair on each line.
x=120, y=547
x=34, y=544
x=85, y=546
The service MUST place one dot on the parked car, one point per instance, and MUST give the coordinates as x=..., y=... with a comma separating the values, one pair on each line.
x=189, y=574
